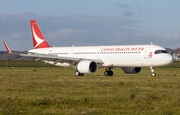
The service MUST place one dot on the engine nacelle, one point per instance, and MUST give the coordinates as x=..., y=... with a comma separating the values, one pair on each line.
x=131, y=70
x=87, y=66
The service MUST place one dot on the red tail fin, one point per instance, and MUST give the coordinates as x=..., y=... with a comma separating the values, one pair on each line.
x=38, y=39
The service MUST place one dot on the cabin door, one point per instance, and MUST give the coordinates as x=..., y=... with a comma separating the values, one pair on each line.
x=146, y=53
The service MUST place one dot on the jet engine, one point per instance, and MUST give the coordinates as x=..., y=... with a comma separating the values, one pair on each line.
x=131, y=70
x=87, y=66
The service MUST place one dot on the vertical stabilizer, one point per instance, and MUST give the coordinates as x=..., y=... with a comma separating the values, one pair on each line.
x=38, y=39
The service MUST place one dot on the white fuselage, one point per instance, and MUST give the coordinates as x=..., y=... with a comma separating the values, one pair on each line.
x=113, y=56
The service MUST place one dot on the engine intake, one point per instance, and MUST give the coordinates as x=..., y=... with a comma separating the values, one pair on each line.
x=87, y=66
x=131, y=70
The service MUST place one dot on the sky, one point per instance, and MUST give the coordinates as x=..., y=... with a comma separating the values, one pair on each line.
x=91, y=22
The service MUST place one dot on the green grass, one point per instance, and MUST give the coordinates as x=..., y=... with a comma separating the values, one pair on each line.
x=55, y=90
x=58, y=91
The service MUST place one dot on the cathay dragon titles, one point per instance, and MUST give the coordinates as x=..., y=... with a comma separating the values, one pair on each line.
x=87, y=59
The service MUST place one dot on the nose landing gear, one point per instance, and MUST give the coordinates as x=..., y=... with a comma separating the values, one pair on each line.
x=153, y=72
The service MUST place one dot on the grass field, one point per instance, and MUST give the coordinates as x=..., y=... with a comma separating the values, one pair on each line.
x=55, y=90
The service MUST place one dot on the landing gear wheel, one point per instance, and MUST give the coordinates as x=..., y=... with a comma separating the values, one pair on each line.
x=108, y=73
x=81, y=74
x=153, y=74
x=77, y=73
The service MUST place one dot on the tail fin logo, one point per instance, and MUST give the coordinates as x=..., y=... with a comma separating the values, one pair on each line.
x=37, y=36
x=37, y=39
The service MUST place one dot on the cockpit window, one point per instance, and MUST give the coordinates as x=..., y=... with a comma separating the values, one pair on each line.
x=160, y=51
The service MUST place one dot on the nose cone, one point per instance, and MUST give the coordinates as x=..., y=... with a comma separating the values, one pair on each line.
x=168, y=59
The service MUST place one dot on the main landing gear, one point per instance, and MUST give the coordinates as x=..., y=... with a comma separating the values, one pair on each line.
x=77, y=73
x=153, y=72
x=108, y=72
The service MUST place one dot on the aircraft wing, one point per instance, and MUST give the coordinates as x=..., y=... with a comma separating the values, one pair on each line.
x=50, y=57
x=57, y=58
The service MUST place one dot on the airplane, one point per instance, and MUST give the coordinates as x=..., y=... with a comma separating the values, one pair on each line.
x=88, y=59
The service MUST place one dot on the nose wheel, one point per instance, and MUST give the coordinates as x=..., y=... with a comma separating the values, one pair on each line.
x=153, y=72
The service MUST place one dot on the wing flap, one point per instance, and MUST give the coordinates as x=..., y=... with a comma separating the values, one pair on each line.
x=47, y=56
x=61, y=59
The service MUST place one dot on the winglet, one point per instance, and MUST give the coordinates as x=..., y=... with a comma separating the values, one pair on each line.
x=7, y=47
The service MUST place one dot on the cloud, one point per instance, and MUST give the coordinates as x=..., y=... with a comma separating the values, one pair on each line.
x=77, y=30
x=125, y=9
x=128, y=13
x=121, y=5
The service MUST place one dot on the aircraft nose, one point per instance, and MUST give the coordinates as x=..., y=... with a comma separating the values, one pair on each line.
x=169, y=59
